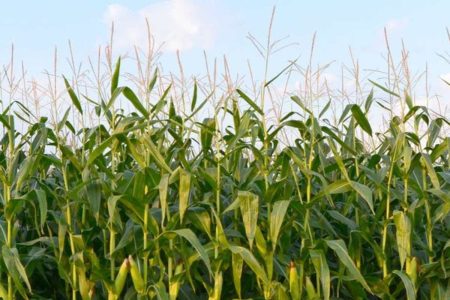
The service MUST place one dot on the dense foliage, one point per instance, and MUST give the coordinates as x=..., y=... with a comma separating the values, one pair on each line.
x=154, y=204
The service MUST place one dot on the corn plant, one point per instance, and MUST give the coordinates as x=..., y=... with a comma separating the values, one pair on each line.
x=154, y=204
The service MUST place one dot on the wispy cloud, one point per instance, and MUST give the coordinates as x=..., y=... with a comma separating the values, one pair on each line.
x=394, y=28
x=396, y=25
x=179, y=24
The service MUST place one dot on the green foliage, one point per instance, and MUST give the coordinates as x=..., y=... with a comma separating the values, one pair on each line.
x=156, y=205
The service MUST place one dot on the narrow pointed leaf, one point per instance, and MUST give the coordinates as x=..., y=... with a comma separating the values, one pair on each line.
x=409, y=286
x=361, y=119
x=250, y=102
x=185, y=189
x=251, y=261
x=73, y=96
x=249, y=204
x=193, y=240
x=276, y=219
x=321, y=266
x=341, y=251
x=115, y=77
x=403, y=236
x=131, y=96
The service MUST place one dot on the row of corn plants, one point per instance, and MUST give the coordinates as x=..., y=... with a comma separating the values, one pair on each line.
x=154, y=204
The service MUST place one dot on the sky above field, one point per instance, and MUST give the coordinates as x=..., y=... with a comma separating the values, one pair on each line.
x=222, y=28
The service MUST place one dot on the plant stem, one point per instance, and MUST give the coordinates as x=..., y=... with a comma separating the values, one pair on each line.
x=429, y=229
x=69, y=223
x=385, y=227
x=145, y=244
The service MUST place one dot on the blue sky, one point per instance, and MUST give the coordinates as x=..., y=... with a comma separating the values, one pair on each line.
x=221, y=28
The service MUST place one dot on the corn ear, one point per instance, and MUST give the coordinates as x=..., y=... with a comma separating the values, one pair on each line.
x=84, y=285
x=136, y=276
x=121, y=277
x=218, y=282
x=412, y=266
x=310, y=290
x=175, y=283
x=294, y=286
x=3, y=293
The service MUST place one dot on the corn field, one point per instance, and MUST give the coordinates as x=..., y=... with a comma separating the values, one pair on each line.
x=157, y=204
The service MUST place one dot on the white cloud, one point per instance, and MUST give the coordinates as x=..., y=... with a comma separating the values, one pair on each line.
x=179, y=24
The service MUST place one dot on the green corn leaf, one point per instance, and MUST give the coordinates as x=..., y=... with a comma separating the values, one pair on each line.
x=261, y=243
x=337, y=187
x=63, y=121
x=159, y=159
x=321, y=266
x=384, y=89
x=325, y=109
x=163, y=190
x=98, y=151
x=68, y=154
x=111, y=205
x=408, y=100
x=194, y=96
x=160, y=291
x=276, y=219
x=251, y=261
x=221, y=236
x=207, y=132
x=193, y=240
x=115, y=77
x=433, y=131
x=201, y=219
x=300, y=103
x=237, y=264
x=126, y=238
x=152, y=83
x=159, y=106
x=26, y=170
x=131, y=96
x=338, y=140
x=440, y=149
x=200, y=106
x=361, y=119
x=73, y=96
x=409, y=286
x=403, y=236
x=280, y=73
x=250, y=102
x=310, y=290
x=369, y=101
x=62, y=230
x=185, y=189
x=94, y=195
x=407, y=155
x=114, y=95
x=341, y=251
x=249, y=205
x=365, y=192
x=16, y=270
x=137, y=155
x=43, y=209
x=430, y=171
